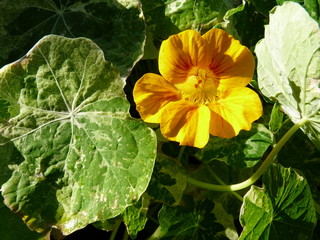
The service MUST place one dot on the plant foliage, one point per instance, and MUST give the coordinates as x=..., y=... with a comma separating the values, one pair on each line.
x=72, y=155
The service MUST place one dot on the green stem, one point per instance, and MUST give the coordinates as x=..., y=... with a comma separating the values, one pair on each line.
x=258, y=173
x=125, y=235
x=115, y=230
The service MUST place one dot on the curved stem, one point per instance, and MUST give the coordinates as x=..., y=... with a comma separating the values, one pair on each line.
x=258, y=173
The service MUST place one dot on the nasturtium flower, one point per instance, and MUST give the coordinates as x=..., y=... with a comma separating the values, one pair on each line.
x=201, y=90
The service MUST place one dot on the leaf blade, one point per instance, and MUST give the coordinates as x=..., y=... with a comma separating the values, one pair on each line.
x=85, y=159
x=282, y=208
x=288, y=65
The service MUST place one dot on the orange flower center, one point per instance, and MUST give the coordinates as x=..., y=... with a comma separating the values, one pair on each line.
x=199, y=87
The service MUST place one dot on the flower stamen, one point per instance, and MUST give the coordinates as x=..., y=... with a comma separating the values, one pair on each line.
x=199, y=86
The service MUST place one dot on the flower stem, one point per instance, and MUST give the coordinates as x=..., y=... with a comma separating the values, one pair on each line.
x=258, y=173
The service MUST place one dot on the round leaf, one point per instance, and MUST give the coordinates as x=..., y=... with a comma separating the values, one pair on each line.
x=84, y=158
x=288, y=65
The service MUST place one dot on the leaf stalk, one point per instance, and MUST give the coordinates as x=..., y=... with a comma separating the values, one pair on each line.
x=259, y=172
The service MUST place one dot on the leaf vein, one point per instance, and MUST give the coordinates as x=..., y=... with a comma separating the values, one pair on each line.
x=56, y=81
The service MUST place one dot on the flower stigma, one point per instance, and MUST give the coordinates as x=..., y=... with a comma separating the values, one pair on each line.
x=199, y=87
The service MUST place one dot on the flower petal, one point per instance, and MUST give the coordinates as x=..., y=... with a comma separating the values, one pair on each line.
x=180, y=52
x=236, y=109
x=186, y=123
x=151, y=94
x=232, y=63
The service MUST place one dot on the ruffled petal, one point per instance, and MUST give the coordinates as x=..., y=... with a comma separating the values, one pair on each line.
x=151, y=94
x=232, y=63
x=186, y=123
x=236, y=109
x=180, y=52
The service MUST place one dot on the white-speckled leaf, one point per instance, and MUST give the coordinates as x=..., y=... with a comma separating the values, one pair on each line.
x=288, y=65
x=83, y=158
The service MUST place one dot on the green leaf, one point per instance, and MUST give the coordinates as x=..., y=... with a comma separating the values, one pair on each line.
x=84, y=158
x=4, y=105
x=168, y=180
x=282, y=209
x=280, y=2
x=6, y=158
x=150, y=51
x=244, y=150
x=288, y=65
x=313, y=8
x=264, y=6
x=135, y=216
x=276, y=118
x=204, y=220
x=116, y=26
x=245, y=23
x=167, y=17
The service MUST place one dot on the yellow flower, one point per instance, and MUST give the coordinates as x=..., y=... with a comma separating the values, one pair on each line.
x=202, y=89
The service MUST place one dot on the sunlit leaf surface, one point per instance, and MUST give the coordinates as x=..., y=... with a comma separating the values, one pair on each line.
x=288, y=65
x=83, y=159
